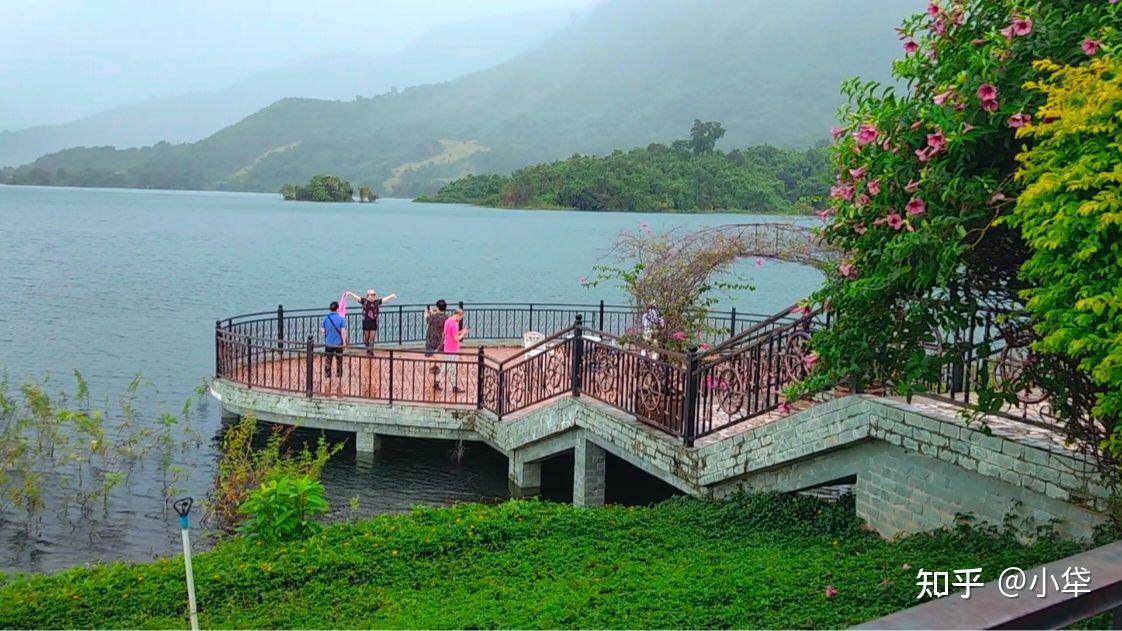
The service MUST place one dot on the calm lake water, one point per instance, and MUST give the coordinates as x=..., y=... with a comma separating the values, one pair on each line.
x=116, y=283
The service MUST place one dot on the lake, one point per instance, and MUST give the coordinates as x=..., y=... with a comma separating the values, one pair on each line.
x=116, y=283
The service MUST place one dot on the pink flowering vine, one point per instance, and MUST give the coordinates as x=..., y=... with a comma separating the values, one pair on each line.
x=895, y=221
x=1091, y=46
x=915, y=207
x=837, y=132
x=942, y=97
x=874, y=187
x=1020, y=119
x=865, y=134
x=847, y=270
x=910, y=45
x=936, y=141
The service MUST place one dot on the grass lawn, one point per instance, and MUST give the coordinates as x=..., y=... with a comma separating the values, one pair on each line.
x=759, y=561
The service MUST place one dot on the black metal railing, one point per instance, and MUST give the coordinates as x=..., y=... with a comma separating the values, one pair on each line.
x=404, y=323
x=584, y=354
x=690, y=395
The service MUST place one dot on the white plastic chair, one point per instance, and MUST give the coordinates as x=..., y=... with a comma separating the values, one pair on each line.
x=529, y=338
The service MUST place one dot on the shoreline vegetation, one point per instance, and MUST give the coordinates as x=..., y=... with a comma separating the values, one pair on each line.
x=750, y=561
x=689, y=176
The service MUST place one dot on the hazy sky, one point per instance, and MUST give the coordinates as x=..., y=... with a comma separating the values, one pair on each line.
x=63, y=59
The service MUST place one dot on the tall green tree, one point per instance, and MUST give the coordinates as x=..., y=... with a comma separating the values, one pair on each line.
x=704, y=136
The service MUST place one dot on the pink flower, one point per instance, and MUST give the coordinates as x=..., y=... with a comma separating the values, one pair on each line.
x=843, y=191
x=831, y=591
x=895, y=221
x=783, y=408
x=916, y=125
x=990, y=105
x=865, y=134
x=861, y=200
x=1021, y=26
x=1007, y=32
x=987, y=92
x=978, y=41
x=932, y=9
x=874, y=187
x=1091, y=46
x=801, y=309
x=910, y=45
x=823, y=216
x=860, y=228
x=810, y=360
x=847, y=270
x=915, y=207
x=936, y=141
x=924, y=154
x=912, y=186
x=837, y=132
x=858, y=173
x=966, y=127
x=678, y=335
x=703, y=346
x=1020, y=119
x=942, y=97
x=930, y=54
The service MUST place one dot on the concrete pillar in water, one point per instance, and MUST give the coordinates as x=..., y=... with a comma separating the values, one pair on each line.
x=367, y=442
x=590, y=463
x=525, y=478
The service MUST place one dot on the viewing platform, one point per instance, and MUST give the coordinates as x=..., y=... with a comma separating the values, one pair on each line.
x=536, y=381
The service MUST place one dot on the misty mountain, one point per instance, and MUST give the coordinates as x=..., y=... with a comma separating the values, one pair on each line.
x=627, y=73
x=441, y=54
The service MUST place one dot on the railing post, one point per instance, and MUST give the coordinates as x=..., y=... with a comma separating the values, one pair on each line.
x=689, y=413
x=400, y=324
x=600, y=323
x=391, y=377
x=217, y=348
x=578, y=354
x=280, y=326
x=531, y=326
x=479, y=381
x=309, y=361
x=500, y=405
x=249, y=361
x=732, y=323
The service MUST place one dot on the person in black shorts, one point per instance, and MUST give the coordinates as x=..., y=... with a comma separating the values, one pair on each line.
x=371, y=306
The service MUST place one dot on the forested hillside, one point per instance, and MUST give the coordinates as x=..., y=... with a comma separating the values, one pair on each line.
x=674, y=178
x=629, y=72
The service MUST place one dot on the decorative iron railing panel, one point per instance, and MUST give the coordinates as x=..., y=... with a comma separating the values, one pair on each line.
x=747, y=378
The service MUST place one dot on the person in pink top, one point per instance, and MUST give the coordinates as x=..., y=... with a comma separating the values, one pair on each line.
x=453, y=335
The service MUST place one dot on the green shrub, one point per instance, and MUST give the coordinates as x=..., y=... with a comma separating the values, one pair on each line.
x=280, y=509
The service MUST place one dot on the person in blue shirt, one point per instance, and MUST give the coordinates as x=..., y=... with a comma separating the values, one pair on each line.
x=334, y=328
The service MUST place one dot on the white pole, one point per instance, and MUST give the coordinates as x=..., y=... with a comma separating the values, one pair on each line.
x=183, y=507
x=190, y=580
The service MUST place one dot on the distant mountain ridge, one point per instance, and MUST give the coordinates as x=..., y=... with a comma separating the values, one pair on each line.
x=627, y=73
x=442, y=54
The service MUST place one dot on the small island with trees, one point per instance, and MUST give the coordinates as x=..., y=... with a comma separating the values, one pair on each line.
x=327, y=188
x=685, y=176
